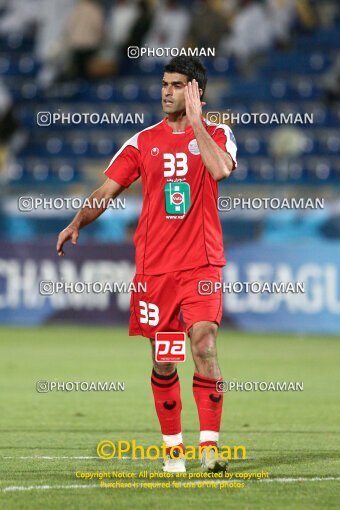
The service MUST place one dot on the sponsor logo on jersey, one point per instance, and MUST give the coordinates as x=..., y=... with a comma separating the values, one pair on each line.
x=177, y=198
x=154, y=151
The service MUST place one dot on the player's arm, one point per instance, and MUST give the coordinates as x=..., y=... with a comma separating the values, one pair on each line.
x=97, y=204
x=218, y=162
x=122, y=171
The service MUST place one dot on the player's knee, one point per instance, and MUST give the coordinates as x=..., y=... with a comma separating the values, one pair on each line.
x=164, y=368
x=203, y=344
x=204, y=350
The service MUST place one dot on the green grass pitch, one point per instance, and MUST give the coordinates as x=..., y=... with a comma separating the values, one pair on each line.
x=46, y=438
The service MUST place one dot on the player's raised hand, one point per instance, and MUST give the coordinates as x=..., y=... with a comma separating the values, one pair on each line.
x=68, y=233
x=193, y=104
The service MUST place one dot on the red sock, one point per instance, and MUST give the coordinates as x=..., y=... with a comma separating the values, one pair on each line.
x=166, y=391
x=209, y=406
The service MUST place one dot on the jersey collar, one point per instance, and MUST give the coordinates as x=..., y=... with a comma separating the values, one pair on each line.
x=187, y=130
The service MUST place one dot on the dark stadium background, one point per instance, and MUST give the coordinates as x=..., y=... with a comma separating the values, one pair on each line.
x=70, y=57
x=271, y=57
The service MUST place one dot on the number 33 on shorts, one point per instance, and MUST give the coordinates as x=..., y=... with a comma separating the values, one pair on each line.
x=149, y=313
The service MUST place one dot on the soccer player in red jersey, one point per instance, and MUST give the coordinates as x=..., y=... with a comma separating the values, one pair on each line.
x=178, y=243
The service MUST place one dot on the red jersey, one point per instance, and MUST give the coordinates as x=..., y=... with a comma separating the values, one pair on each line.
x=179, y=227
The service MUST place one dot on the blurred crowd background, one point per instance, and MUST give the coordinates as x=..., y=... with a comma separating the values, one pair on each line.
x=70, y=56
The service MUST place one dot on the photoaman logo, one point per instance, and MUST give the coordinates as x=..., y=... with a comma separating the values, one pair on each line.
x=107, y=450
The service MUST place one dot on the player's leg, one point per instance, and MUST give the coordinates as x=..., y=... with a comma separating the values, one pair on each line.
x=153, y=310
x=167, y=396
x=208, y=400
x=202, y=312
x=203, y=347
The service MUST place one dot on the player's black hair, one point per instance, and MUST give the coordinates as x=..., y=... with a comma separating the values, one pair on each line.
x=191, y=67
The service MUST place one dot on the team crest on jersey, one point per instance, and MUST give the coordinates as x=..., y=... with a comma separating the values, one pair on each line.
x=193, y=147
x=154, y=151
x=232, y=137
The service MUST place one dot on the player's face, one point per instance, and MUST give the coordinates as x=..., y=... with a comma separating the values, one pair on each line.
x=173, y=86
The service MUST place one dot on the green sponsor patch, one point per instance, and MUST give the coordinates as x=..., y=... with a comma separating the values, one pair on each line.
x=177, y=197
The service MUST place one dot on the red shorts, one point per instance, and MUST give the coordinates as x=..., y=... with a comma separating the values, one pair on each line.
x=174, y=301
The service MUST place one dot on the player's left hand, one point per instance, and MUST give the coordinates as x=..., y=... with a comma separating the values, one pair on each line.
x=193, y=104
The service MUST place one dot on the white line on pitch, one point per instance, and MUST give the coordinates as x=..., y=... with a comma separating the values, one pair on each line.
x=15, y=488
x=302, y=479
x=47, y=457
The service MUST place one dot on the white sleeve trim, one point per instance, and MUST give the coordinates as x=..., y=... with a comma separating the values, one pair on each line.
x=133, y=141
x=230, y=145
